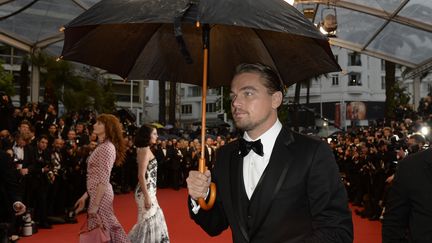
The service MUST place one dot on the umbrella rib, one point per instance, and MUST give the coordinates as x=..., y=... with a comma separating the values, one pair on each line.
x=265, y=45
x=137, y=54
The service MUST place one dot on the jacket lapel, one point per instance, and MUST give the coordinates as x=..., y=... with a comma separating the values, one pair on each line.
x=428, y=161
x=274, y=175
x=236, y=176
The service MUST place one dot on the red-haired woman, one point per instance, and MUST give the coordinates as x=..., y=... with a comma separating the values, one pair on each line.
x=111, y=149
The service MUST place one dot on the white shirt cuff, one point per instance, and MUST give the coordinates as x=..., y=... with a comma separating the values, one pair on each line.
x=195, y=206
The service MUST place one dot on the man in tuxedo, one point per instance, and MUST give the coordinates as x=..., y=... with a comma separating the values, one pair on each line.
x=164, y=155
x=408, y=215
x=209, y=153
x=273, y=185
x=39, y=171
x=10, y=195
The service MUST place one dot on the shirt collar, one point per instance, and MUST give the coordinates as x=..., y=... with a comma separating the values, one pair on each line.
x=268, y=138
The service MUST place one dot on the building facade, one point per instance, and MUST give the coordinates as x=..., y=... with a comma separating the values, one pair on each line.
x=355, y=93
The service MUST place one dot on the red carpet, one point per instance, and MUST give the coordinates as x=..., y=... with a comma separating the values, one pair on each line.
x=181, y=228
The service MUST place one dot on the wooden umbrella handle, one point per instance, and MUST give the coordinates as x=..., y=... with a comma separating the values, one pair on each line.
x=212, y=195
x=202, y=165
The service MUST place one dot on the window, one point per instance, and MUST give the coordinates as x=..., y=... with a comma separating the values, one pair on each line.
x=194, y=91
x=182, y=92
x=383, y=82
x=429, y=87
x=335, y=80
x=354, y=59
x=186, y=109
x=211, y=107
x=382, y=65
x=11, y=55
x=336, y=58
x=213, y=92
x=354, y=79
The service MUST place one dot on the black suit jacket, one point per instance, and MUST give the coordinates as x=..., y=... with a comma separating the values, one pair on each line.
x=300, y=196
x=408, y=216
x=10, y=190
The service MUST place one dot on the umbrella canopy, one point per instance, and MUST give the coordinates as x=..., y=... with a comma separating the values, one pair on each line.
x=150, y=39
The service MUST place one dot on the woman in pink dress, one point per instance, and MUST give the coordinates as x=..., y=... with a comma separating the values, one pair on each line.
x=111, y=149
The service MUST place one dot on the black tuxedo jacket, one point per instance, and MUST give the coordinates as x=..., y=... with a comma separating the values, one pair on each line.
x=10, y=190
x=409, y=205
x=299, y=198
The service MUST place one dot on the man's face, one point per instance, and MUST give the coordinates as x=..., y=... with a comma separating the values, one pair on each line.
x=253, y=108
x=58, y=143
x=23, y=128
x=43, y=144
x=71, y=135
x=17, y=112
x=52, y=129
x=50, y=109
x=79, y=128
x=387, y=133
x=93, y=145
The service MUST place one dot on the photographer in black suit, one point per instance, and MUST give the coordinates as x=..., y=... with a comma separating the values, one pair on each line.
x=408, y=216
x=10, y=195
x=39, y=177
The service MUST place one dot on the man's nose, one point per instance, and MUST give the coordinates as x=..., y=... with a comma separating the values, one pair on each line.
x=235, y=102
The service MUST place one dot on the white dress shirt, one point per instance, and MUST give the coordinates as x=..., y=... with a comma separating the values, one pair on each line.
x=253, y=164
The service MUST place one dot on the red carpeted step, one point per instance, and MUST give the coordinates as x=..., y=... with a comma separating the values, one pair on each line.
x=180, y=227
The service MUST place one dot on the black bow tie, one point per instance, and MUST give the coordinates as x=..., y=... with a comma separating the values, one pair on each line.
x=256, y=146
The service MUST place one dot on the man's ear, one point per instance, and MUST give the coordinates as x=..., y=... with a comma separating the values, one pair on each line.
x=277, y=99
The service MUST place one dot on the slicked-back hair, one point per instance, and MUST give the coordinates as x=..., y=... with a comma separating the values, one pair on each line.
x=270, y=77
x=142, y=136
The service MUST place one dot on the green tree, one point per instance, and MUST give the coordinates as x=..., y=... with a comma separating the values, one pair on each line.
x=89, y=90
x=6, y=84
x=396, y=94
x=24, y=81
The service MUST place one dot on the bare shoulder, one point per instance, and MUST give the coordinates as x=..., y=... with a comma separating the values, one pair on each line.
x=145, y=153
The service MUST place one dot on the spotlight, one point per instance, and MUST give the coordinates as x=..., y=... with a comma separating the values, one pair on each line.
x=328, y=24
x=425, y=130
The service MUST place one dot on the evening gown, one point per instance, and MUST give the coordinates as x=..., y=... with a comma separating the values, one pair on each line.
x=99, y=167
x=151, y=226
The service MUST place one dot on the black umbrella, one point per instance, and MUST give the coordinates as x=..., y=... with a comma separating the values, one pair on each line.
x=162, y=40
x=150, y=39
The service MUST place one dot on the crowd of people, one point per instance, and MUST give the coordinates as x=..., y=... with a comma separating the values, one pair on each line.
x=49, y=155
